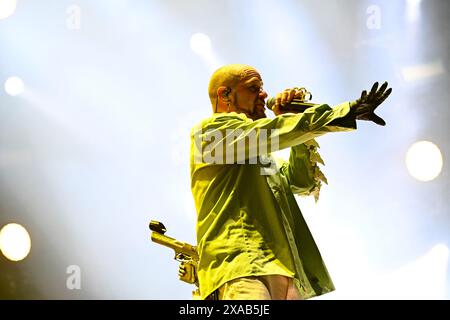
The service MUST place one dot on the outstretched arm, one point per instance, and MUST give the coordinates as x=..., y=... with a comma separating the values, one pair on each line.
x=361, y=109
x=230, y=138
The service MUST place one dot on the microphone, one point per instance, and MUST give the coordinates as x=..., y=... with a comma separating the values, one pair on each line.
x=297, y=105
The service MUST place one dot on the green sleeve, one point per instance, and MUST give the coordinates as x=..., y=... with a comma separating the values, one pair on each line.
x=231, y=131
x=302, y=171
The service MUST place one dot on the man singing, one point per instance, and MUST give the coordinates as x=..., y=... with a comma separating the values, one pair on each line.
x=252, y=239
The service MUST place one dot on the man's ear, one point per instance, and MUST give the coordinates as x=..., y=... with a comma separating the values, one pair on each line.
x=223, y=93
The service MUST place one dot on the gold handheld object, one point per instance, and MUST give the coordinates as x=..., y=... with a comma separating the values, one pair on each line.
x=184, y=252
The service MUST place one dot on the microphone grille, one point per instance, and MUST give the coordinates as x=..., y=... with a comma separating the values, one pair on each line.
x=270, y=103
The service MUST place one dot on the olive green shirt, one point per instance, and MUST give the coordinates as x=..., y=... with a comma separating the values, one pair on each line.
x=248, y=220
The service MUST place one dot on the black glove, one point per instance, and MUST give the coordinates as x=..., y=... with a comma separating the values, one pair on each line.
x=364, y=107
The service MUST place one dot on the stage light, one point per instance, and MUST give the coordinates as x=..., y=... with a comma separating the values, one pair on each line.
x=413, y=2
x=7, y=8
x=201, y=44
x=424, y=161
x=423, y=71
x=15, y=242
x=14, y=86
x=413, y=10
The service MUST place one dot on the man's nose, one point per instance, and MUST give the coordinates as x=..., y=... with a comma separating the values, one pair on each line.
x=263, y=94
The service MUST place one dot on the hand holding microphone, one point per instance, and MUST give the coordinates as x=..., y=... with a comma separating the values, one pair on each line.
x=290, y=100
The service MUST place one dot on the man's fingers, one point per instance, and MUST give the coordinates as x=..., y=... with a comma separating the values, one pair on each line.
x=382, y=89
x=363, y=95
x=278, y=100
x=287, y=96
x=284, y=97
x=370, y=116
x=384, y=96
x=302, y=94
x=292, y=93
x=373, y=90
x=378, y=120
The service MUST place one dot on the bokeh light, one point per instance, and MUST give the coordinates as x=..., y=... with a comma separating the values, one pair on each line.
x=14, y=86
x=201, y=44
x=7, y=8
x=15, y=242
x=424, y=161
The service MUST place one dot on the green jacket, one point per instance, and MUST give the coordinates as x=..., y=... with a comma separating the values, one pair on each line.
x=248, y=220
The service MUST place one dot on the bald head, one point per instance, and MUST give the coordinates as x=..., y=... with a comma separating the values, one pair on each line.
x=229, y=76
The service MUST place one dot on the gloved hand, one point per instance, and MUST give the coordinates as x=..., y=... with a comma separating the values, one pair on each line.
x=364, y=107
